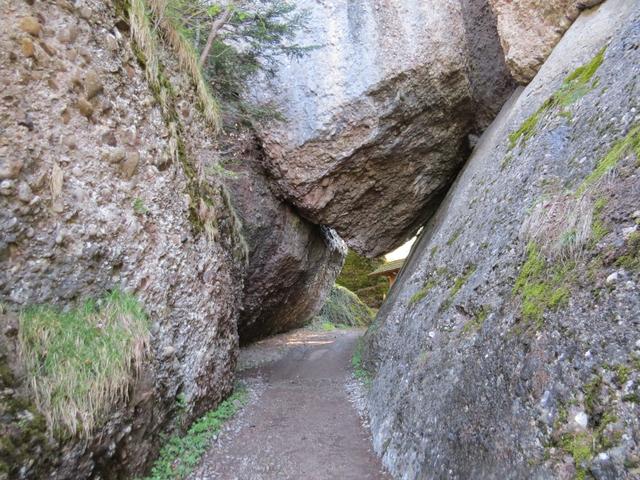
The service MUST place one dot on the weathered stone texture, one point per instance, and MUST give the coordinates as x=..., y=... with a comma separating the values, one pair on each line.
x=378, y=116
x=477, y=374
x=90, y=201
x=529, y=29
x=292, y=263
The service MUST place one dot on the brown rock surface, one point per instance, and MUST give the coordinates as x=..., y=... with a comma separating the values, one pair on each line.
x=70, y=231
x=529, y=29
x=292, y=263
x=378, y=117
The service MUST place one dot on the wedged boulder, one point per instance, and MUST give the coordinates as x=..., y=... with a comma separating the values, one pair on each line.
x=530, y=29
x=378, y=117
x=509, y=346
x=292, y=263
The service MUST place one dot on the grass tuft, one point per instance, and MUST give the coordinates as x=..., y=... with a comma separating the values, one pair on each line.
x=359, y=370
x=181, y=454
x=175, y=34
x=82, y=361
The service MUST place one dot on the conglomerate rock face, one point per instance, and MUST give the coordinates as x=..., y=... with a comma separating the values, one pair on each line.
x=292, y=263
x=97, y=193
x=378, y=117
x=90, y=200
x=509, y=346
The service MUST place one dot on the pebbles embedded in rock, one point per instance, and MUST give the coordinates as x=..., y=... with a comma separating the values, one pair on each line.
x=30, y=25
x=92, y=84
x=27, y=47
x=130, y=164
x=85, y=107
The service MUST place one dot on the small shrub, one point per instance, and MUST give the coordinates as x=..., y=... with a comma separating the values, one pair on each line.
x=181, y=454
x=82, y=361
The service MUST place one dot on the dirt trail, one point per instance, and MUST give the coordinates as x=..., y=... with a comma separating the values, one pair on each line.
x=299, y=423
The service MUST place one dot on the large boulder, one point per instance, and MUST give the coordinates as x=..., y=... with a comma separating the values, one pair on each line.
x=292, y=263
x=509, y=345
x=378, y=117
x=529, y=29
x=91, y=201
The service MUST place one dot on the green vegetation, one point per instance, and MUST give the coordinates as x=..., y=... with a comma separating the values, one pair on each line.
x=454, y=236
x=574, y=87
x=457, y=285
x=138, y=207
x=598, y=227
x=476, y=323
x=420, y=294
x=224, y=45
x=181, y=454
x=580, y=447
x=82, y=361
x=622, y=374
x=631, y=259
x=629, y=144
x=542, y=286
x=342, y=308
x=355, y=277
x=359, y=370
x=143, y=16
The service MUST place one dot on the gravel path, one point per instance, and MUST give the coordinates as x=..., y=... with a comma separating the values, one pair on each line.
x=300, y=422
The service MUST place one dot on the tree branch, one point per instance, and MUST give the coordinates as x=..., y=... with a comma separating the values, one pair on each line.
x=215, y=28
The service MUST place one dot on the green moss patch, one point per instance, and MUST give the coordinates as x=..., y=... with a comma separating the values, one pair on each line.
x=181, y=454
x=631, y=259
x=576, y=85
x=342, y=308
x=355, y=277
x=580, y=447
x=420, y=294
x=541, y=285
x=81, y=361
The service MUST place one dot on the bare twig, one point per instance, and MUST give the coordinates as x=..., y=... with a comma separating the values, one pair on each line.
x=215, y=28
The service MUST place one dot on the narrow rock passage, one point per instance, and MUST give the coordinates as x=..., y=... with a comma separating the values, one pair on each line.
x=299, y=422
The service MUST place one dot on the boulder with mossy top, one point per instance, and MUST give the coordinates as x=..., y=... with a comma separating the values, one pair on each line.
x=343, y=308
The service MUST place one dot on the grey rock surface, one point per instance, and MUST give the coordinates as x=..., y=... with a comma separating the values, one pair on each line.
x=92, y=203
x=292, y=263
x=487, y=350
x=377, y=118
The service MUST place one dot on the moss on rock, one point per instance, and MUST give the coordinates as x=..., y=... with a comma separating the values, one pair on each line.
x=355, y=277
x=343, y=308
